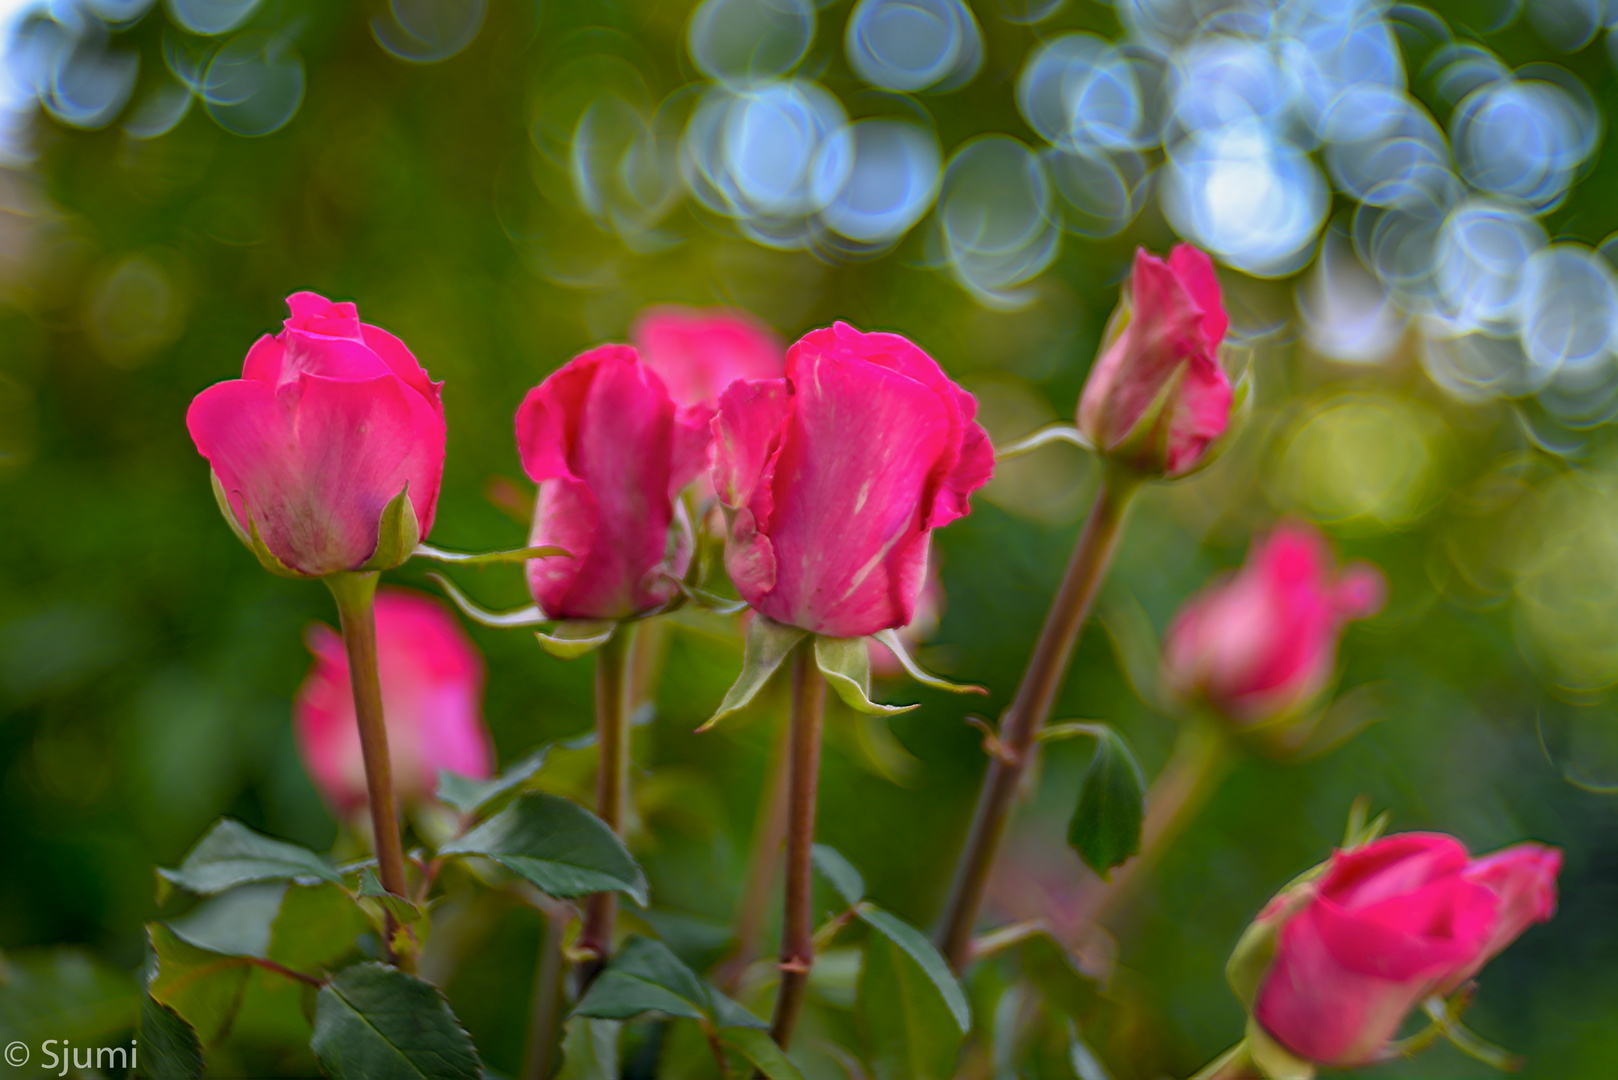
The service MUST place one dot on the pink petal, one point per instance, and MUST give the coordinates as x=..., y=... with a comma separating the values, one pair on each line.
x=1196, y=273
x=404, y=364
x=699, y=353
x=746, y=435
x=314, y=314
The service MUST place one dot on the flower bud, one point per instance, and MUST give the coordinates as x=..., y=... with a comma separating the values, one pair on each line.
x=1157, y=397
x=328, y=452
x=610, y=452
x=432, y=698
x=1262, y=644
x=697, y=353
x=1349, y=953
x=834, y=477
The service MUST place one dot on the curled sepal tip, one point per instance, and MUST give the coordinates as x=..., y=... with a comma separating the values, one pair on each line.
x=1045, y=436
x=895, y=645
x=768, y=644
x=572, y=638
x=846, y=663
x=521, y=617
x=707, y=601
x=479, y=558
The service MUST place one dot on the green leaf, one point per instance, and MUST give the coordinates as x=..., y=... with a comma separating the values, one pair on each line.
x=236, y=922
x=374, y=1022
x=203, y=986
x=317, y=926
x=589, y=1050
x=645, y=976
x=840, y=873
x=909, y=1030
x=517, y=555
x=846, y=663
x=168, y=1048
x=915, y=945
x=558, y=846
x=400, y=908
x=572, y=638
x=63, y=992
x=1106, y=825
x=470, y=796
x=759, y=1049
x=397, y=534
x=768, y=644
x=231, y=854
x=895, y=644
x=1051, y=969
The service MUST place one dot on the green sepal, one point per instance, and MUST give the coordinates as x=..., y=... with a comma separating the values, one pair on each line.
x=401, y=909
x=896, y=645
x=556, y=845
x=249, y=536
x=499, y=620
x=1446, y=1017
x=1145, y=449
x=1106, y=825
x=1255, y=949
x=223, y=500
x=846, y=663
x=768, y=644
x=397, y=534
x=1275, y=1061
x=1045, y=436
x=572, y=638
x=483, y=558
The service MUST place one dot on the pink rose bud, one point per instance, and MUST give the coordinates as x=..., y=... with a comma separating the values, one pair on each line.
x=1157, y=397
x=835, y=476
x=1263, y=643
x=610, y=452
x=1383, y=928
x=432, y=697
x=331, y=420
x=698, y=353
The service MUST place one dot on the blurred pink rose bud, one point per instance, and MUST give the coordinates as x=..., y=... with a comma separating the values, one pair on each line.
x=921, y=627
x=699, y=352
x=610, y=452
x=1261, y=644
x=432, y=696
x=835, y=476
x=331, y=419
x=1383, y=928
x=1157, y=397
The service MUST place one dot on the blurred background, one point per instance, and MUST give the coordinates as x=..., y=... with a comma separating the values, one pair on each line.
x=1410, y=206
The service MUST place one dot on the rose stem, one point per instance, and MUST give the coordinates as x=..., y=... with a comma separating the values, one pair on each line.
x=355, y=594
x=763, y=860
x=1031, y=708
x=549, y=998
x=612, y=787
x=797, y=940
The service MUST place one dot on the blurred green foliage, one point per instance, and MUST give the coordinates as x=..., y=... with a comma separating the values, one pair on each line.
x=147, y=663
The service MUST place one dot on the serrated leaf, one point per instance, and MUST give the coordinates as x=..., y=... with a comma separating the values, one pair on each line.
x=915, y=945
x=589, y=1050
x=558, y=846
x=767, y=645
x=839, y=872
x=317, y=926
x=1106, y=825
x=645, y=976
x=231, y=854
x=374, y=1022
x=760, y=1050
x=64, y=992
x=1051, y=969
x=203, y=986
x=908, y=1029
x=168, y=1048
x=401, y=909
x=572, y=638
x=470, y=796
x=846, y=664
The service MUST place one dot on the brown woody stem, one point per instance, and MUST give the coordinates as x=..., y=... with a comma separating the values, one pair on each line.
x=612, y=787
x=355, y=594
x=1032, y=707
x=797, y=933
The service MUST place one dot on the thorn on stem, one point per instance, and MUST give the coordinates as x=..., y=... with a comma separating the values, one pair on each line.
x=992, y=744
